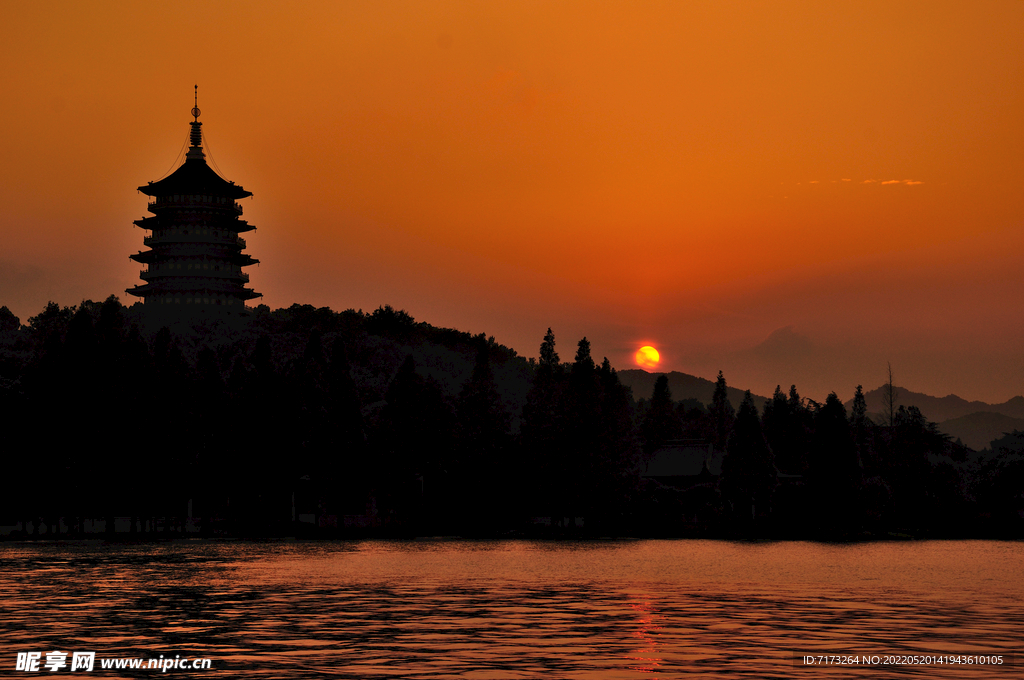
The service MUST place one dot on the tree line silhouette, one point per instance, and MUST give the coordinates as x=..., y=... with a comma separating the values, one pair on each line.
x=306, y=420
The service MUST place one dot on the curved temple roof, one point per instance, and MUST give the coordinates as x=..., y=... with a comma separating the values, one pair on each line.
x=194, y=176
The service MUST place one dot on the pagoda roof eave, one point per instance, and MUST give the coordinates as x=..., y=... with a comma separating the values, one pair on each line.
x=194, y=176
x=186, y=290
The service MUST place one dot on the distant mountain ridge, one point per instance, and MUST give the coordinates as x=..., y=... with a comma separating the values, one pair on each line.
x=938, y=409
x=975, y=423
x=682, y=385
x=978, y=430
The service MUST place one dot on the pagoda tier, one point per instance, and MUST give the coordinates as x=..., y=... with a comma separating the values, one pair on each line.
x=195, y=259
x=201, y=220
x=166, y=259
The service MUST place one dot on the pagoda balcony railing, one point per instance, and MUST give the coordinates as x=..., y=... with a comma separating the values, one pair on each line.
x=192, y=238
x=187, y=201
x=146, y=274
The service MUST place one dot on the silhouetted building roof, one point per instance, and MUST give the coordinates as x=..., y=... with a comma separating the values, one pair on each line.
x=194, y=176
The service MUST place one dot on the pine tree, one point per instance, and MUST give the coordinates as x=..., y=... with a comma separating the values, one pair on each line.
x=861, y=426
x=615, y=464
x=722, y=413
x=834, y=473
x=548, y=355
x=545, y=433
x=584, y=363
x=661, y=421
x=749, y=476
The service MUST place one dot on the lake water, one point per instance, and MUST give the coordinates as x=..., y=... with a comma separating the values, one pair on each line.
x=515, y=609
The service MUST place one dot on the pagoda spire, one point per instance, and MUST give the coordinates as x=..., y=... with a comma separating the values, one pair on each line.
x=196, y=138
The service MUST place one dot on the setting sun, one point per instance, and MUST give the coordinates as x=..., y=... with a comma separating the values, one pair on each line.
x=647, y=357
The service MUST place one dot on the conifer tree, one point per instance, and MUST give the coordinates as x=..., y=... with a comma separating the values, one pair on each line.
x=548, y=355
x=722, y=413
x=615, y=463
x=545, y=432
x=834, y=473
x=861, y=427
x=749, y=476
x=661, y=421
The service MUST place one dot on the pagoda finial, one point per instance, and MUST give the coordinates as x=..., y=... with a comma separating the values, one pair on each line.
x=196, y=138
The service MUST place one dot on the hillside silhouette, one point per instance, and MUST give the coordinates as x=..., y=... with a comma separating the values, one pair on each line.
x=683, y=387
x=305, y=421
x=978, y=430
x=975, y=423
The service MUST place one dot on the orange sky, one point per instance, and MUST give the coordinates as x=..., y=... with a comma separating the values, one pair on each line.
x=715, y=179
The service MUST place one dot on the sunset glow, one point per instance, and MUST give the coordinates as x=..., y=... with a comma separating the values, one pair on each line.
x=473, y=338
x=830, y=186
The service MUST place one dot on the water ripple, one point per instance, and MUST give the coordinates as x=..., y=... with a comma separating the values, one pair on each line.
x=514, y=609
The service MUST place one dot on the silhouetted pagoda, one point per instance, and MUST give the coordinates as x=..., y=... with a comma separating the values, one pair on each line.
x=196, y=261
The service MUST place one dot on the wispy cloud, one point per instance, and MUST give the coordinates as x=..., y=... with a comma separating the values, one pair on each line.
x=909, y=182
